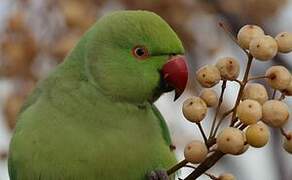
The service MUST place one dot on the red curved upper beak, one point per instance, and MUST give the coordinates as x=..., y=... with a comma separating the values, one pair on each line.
x=175, y=74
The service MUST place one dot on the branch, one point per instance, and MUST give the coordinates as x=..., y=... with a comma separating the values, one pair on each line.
x=202, y=132
x=287, y=136
x=207, y=174
x=204, y=166
x=257, y=77
x=228, y=32
x=244, y=81
x=223, y=87
x=221, y=120
x=176, y=167
x=282, y=97
x=274, y=93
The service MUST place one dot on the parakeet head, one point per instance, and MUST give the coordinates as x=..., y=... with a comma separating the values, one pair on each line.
x=134, y=56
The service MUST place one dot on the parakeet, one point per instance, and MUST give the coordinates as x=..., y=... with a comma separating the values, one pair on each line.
x=93, y=117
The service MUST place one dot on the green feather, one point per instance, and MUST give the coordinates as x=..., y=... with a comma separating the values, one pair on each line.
x=92, y=118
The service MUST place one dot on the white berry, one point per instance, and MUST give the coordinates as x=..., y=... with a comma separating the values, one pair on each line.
x=275, y=113
x=257, y=135
x=263, y=48
x=247, y=33
x=229, y=68
x=195, y=152
x=249, y=111
x=231, y=141
x=284, y=41
x=255, y=91
x=194, y=109
x=208, y=76
x=210, y=97
x=279, y=77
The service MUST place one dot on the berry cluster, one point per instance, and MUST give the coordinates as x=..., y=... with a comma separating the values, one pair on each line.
x=253, y=111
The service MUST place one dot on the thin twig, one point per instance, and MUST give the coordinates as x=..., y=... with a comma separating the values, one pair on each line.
x=257, y=77
x=202, y=132
x=228, y=32
x=244, y=81
x=287, y=136
x=223, y=87
x=207, y=174
x=236, y=80
x=176, y=167
x=204, y=166
x=282, y=97
x=238, y=125
x=274, y=93
x=221, y=120
x=242, y=127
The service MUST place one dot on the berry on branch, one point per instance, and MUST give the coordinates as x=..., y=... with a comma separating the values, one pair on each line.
x=194, y=109
x=247, y=33
x=275, y=113
x=208, y=76
x=249, y=111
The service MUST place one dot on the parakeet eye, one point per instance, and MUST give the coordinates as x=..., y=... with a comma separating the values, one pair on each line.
x=140, y=52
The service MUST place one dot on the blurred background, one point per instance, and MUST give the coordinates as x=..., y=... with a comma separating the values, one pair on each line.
x=35, y=36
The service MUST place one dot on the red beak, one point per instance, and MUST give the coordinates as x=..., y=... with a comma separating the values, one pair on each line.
x=175, y=74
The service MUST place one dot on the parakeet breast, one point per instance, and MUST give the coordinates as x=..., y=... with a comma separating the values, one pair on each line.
x=73, y=132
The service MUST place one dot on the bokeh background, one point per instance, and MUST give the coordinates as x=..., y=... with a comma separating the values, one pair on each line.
x=35, y=36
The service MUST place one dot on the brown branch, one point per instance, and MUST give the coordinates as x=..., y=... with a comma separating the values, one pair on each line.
x=287, y=136
x=238, y=81
x=202, y=132
x=242, y=127
x=207, y=174
x=282, y=97
x=204, y=166
x=230, y=34
x=244, y=81
x=238, y=124
x=274, y=93
x=221, y=120
x=257, y=77
x=223, y=87
x=176, y=167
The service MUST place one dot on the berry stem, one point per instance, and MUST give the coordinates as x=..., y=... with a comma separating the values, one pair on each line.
x=257, y=77
x=285, y=134
x=238, y=81
x=176, y=167
x=204, y=166
x=223, y=87
x=220, y=121
x=274, y=93
x=242, y=126
x=207, y=174
x=202, y=132
x=282, y=97
x=232, y=37
x=238, y=125
x=244, y=81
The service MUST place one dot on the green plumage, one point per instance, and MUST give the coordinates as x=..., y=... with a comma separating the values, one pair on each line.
x=93, y=117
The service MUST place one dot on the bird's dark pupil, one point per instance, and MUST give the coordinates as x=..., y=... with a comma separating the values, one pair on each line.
x=140, y=51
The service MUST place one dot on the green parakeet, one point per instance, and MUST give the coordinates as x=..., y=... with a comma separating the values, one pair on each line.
x=93, y=117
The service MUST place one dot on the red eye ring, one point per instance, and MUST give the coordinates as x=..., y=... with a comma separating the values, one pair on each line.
x=140, y=52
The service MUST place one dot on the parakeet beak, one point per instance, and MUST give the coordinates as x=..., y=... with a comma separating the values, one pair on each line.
x=175, y=74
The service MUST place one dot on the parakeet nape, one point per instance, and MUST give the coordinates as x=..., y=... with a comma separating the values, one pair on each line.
x=93, y=117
